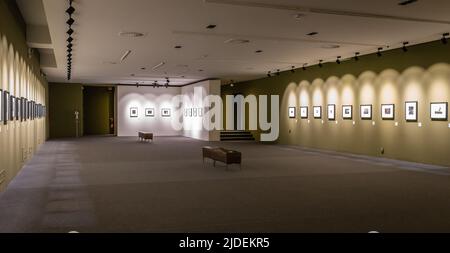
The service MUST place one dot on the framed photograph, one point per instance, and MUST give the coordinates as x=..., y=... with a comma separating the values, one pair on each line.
x=200, y=112
x=1, y=106
x=347, y=112
x=304, y=112
x=6, y=105
x=133, y=112
x=331, y=112
x=18, y=112
x=411, y=111
x=12, y=112
x=439, y=111
x=190, y=112
x=149, y=112
x=194, y=112
x=292, y=112
x=165, y=112
x=317, y=111
x=388, y=111
x=366, y=112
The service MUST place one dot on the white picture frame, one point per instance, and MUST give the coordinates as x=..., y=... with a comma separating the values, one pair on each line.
x=134, y=112
x=331, y=112
x=439, y=111
x=304, y=112
x=388, y=111
x=149, y=112
x=366, y=112
x=291, y=112
x=411, y=111
x=317, y=112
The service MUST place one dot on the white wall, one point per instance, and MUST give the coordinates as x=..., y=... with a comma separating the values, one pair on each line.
x=193, y=126
x=145, y=97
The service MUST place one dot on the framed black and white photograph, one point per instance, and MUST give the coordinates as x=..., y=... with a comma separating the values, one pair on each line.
x=12, y=113
x=366, y=112
x=304, y=112
x=411, y=111
x=6, y=109
x=133, y=112
x=149, y=112
x=331, y=112
x=1, y=106
x=388, y=111
x=439, y=111
x=317, y=112
x=347, y=112
x=190, y=112
x=194, y=112
x=165, y=112
x=292, y=112
x=18, y=109
x=200, y=112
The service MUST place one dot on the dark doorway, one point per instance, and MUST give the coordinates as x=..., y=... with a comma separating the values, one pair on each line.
x=99, y=115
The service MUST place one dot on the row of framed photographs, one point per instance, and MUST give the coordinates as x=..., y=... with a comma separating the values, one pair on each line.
x=149, y=112
x=438, y=111
x=21, y=109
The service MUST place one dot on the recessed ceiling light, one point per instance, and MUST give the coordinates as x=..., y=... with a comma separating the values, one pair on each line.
x=131, y=34
x=200, y=70
x=258, y=51
x=178, y=47
x=298, y=16
x=237, y=41
x=143, y=68
x=211, y=26
x=330, y=46
x=312, y=33
x=407, y=2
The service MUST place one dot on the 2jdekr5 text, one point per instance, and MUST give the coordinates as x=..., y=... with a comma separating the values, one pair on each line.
x=228, y=243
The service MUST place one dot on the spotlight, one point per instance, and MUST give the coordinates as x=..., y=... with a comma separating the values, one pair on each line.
x=70, y=39
x=232, y=83
x=69, y=45
x=444, y=38
x=69, y=50
x=320, y=63
x=338, y=60
x=356, y=56
x=70, y=21
x=404, y=47
x=269, y=74
x=70, y=10
x=278, y=72
x=293, y=69
x=69, y=55
x=304, y=66
x=70, y=31
x=379, y=51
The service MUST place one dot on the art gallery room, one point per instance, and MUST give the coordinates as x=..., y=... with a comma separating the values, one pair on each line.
x=220, y=116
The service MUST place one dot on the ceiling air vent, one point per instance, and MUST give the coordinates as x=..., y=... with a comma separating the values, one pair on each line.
x=237, y=41
x=131, y=34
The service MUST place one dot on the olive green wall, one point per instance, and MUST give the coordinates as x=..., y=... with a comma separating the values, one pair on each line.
x=422, y=74
x=20, y=76
x=98, y=103
x=64, y=100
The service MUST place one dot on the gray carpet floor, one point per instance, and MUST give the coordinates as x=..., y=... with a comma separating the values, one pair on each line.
x=111, y=184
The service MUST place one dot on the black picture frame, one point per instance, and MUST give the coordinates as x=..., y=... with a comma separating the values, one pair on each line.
x=134, y=112
x=362, y=114
x=383, y=108
x=292, y=112
x=408, y=110
x=165, y=112
x=6, y=105
x=334, y=112
x=304, y=115
x=320, y=112
x=445, y=104
x=345, y=114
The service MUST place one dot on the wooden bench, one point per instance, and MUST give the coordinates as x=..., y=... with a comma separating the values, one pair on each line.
x=144, y=136
x=222, y=155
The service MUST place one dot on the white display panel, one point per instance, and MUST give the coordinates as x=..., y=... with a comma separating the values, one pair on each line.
x=304, y=112
x=347, y=112
x=388, y=111
x=317, y=111
x=439, y=111
x=366, y=111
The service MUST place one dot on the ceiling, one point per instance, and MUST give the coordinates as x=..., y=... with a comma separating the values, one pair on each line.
x=277, y=27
